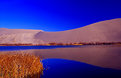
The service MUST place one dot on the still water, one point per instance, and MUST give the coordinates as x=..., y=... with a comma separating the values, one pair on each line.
x=75, y=61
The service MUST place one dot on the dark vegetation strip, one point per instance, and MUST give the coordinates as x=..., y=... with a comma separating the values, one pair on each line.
x=53, y=43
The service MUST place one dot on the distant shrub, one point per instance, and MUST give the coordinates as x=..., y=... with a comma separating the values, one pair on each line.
x=53, y=43
x=20, y=66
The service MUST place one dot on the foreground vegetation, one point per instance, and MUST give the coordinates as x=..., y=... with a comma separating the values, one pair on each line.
x=20, y=66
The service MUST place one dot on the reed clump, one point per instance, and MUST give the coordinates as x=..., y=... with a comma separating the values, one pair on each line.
x=20, y=66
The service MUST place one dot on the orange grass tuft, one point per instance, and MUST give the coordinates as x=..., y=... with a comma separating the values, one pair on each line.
x=20, y=66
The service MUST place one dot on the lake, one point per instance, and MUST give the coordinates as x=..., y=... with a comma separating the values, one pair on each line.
x=88, y=61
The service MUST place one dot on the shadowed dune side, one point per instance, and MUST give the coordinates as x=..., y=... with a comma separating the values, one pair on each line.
x=106, y=31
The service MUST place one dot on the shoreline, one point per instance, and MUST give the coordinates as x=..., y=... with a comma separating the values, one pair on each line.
x=64, y=44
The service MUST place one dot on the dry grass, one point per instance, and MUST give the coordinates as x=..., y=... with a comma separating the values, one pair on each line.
x=20, y=66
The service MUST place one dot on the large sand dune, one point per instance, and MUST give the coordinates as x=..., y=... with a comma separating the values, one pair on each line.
x=105, y=31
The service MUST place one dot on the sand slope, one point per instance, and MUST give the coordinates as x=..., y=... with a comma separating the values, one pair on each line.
x=105, y=31
x=11, y=36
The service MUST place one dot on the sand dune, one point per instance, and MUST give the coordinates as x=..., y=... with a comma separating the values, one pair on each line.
x=12, y=36
x=105, y=31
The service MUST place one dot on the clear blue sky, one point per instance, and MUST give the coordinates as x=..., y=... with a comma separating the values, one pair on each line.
x=56, y=15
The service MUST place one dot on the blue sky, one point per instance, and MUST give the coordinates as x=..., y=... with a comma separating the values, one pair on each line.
x=56, y=15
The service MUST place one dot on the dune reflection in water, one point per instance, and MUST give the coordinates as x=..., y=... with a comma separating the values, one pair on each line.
x=103, y=56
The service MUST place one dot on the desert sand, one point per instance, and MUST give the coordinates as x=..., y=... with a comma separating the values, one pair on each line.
x=105, y=31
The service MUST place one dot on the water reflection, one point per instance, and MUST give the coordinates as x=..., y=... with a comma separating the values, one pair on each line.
x=61, y=68
x=103, y=56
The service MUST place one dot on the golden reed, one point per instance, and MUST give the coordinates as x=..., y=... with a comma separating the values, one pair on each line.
x=20, y=66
